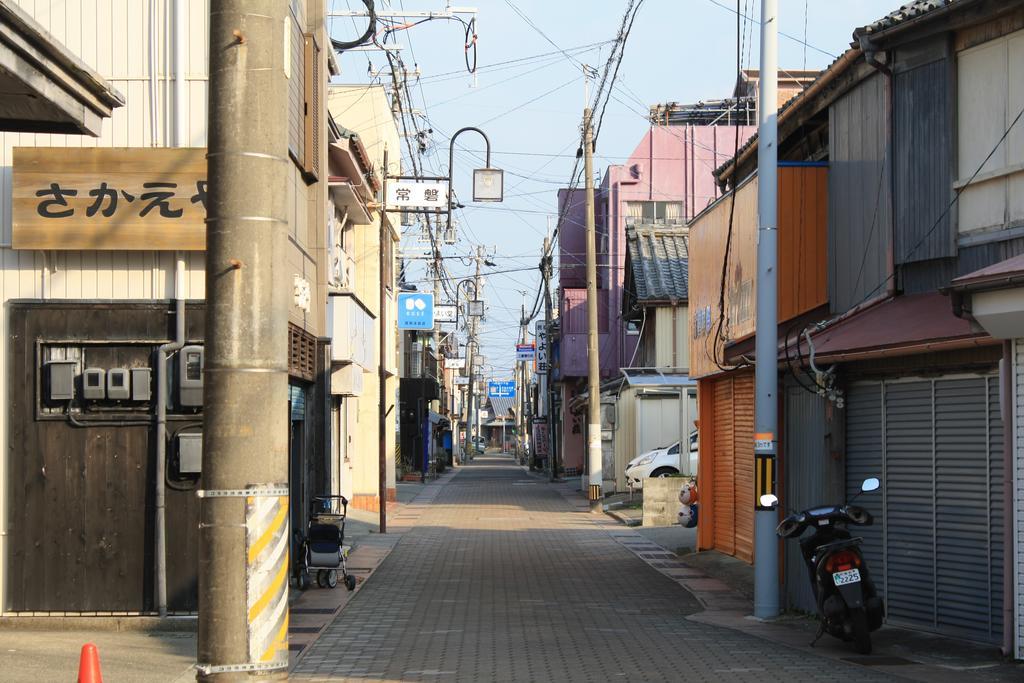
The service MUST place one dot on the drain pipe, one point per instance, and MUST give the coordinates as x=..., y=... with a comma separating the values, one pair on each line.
x=161, y=434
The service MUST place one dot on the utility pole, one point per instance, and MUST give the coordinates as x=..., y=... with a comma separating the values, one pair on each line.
x=382, y=378
x=766, y=544
x=470, y=355
x=546, y=376
x=594, y=367
x=243, y=578
x=520, y=375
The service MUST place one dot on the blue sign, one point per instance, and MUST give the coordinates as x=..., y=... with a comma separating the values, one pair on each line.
x=501, y=389
x=415, y=311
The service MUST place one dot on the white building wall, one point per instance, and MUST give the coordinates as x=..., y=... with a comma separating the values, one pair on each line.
x=113, y=38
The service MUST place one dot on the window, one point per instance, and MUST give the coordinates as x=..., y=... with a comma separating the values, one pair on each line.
x=989, y=96
x=667, y=213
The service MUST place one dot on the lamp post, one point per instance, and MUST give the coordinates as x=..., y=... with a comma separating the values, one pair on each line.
x=488, y=183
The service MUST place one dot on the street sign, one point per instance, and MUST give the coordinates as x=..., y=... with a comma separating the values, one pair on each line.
x=445, y=313
x=501, y=389
x=415, y=311
x=409, y=194
x=461, y=381
x=525, y=352
x=455, y=363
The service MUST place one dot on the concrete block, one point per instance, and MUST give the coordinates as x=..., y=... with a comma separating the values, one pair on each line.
x=661, y=500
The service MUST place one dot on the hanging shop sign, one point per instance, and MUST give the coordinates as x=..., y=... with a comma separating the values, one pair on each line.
x=412, y=194
x=125, y=198
x=525, y=352
x=461, y=381
x=445, y=313
x=415, y=311
x=454, y=363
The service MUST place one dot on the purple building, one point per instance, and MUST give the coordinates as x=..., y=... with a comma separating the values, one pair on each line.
x=666, y=181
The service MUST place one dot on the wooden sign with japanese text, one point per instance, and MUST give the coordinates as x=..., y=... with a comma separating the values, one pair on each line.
x=97, y=198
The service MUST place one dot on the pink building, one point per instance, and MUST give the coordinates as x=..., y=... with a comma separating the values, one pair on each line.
x=667, y=180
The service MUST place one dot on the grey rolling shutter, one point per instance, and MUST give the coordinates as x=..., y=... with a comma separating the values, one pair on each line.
x=910, y=521
x=864, y=458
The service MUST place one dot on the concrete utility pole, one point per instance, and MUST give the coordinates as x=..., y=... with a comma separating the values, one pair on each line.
x=470, y=354
x=243, y=534
x=766, y=544
x=546, y=377
x=382, y=377
x=594, y=367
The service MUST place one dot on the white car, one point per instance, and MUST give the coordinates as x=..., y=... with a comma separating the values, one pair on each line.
x=661, y=462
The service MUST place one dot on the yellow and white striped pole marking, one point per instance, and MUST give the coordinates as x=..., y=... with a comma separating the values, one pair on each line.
x=266, y=522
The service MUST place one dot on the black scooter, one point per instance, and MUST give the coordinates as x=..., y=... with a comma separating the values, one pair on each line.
x=849, y=608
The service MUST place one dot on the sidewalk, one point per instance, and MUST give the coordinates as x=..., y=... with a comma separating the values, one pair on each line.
x=140, y=649
x=724, y=586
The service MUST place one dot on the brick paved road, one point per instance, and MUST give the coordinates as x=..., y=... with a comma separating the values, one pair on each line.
x=500, y=579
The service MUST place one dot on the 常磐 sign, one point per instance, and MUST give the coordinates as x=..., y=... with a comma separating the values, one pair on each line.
x=455, y=363
x=415, y=311
x=411, y=194
x=525, y=352
x=501, y=389
x=93, y=198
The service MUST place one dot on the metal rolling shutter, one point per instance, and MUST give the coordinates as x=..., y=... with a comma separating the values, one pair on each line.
x=724, y=517
x=805, y=467
x=909, y=507
x=936, y=548
x=743, y=464
x=864, y=445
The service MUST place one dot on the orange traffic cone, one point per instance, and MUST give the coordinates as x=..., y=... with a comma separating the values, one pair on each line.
x=89, y=665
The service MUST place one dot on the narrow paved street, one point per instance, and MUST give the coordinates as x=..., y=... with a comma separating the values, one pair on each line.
x=500, y=577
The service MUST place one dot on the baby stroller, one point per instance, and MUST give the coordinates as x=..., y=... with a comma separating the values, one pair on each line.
x=323, y=548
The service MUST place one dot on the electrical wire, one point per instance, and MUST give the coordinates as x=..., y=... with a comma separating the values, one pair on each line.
x=368, y=35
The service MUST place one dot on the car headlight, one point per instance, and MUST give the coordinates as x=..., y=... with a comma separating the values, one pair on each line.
x=646, y=460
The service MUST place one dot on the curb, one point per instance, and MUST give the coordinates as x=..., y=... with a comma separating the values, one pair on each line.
x=140, y=624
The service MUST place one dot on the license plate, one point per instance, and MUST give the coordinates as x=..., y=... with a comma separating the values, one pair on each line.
x=849, y=576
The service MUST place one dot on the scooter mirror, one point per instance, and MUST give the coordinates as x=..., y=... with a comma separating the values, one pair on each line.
x=870, y=484
x=768, y=500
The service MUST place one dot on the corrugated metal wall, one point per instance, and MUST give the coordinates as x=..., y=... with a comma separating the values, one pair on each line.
x=859, y=194
x=1018, y=489
x=937, y=446
x=807, y=473
x=924, y=149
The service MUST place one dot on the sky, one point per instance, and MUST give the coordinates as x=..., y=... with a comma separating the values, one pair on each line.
x=531, y=108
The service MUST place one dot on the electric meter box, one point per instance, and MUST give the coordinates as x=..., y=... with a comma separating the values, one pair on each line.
x=190, y=376
x=118, y=388
x=61, y=379
x=94, y=384
x=142, y=384
x=190, y=453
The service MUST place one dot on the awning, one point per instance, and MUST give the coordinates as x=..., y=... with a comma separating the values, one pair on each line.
x=992, y=298
x=46, y=88
x=900, y=326
x=653, y=377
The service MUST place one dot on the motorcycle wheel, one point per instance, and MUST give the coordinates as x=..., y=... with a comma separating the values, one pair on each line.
x=861, y=632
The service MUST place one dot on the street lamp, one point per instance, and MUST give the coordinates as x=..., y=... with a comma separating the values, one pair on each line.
x=475, y=306
x=488, y=183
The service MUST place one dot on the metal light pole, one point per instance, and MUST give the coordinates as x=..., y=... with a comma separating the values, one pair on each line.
x=766, y=544
x=243, y=530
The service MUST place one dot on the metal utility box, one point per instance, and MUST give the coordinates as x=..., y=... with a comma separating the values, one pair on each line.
x=94, y=384
x=60, y=379
x=118, y=388
x=190, y=453
x=141, y=384
x=190, y=376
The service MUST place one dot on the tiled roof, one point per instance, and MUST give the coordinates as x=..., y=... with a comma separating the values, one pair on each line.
x=911, y=10
x=658, y=257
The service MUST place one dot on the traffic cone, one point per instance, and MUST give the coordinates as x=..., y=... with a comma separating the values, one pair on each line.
x=89, y=665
